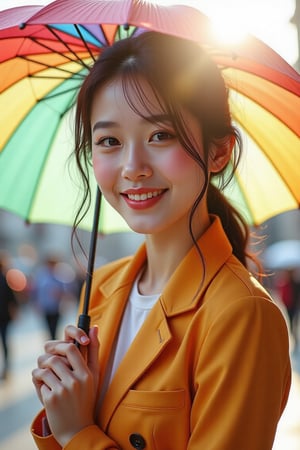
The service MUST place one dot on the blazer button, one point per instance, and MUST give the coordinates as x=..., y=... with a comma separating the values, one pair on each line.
x=137, y=441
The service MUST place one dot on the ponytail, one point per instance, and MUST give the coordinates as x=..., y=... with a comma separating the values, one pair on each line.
x=234, y=225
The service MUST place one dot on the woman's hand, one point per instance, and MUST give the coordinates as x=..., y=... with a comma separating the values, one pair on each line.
x=66, y=382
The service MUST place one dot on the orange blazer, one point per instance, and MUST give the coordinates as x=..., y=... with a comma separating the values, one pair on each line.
x=209, y=369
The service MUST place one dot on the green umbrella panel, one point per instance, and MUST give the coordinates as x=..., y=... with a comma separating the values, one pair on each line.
x=46, y=186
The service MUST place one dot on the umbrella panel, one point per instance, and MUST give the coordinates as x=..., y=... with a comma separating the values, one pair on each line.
x=266, y=182
x=281, y=103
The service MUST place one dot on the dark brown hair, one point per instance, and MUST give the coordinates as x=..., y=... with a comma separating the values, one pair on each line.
x=181, y=74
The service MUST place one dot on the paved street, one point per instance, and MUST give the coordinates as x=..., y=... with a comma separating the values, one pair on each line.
x=18, y=402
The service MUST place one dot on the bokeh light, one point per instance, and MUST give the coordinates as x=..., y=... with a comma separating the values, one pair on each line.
x=16, y=280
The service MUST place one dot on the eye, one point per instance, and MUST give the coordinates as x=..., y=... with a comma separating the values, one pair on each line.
x=107, y=141
x=161, y=136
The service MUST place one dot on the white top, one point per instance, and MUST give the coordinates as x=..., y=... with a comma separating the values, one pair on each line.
x=136, y=311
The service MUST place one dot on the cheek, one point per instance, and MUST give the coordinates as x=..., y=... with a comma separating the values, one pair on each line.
x=103, y=172
x=181, y=164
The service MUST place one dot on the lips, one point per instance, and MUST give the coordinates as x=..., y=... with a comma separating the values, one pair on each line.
x=142, y=198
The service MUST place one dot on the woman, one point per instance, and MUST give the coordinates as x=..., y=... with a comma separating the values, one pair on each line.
x=186, y=349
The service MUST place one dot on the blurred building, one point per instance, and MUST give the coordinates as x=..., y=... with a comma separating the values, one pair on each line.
x=295, y=20
x=36, y=241
x=284, y=226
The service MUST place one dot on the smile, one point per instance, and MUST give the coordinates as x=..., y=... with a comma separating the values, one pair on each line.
x=144, y=196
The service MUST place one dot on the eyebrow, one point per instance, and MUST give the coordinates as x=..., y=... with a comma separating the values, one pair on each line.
x=104, y=124
x=154, y=118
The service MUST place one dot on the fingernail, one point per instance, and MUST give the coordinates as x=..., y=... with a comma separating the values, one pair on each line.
x=84, y=339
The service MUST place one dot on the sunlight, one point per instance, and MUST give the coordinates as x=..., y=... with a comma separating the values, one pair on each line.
x=266, y=19
x=229, y=20
x=269, y=20
x=232, y=20
x=226, y=33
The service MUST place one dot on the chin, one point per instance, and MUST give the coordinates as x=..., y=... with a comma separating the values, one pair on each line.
x=140, y=229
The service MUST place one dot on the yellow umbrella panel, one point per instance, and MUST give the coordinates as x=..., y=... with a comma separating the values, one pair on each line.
x=267, y=182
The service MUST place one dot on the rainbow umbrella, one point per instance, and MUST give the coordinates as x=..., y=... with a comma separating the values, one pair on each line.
x=45, y=53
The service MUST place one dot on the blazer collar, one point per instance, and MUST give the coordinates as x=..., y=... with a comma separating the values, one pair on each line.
x=191, y=277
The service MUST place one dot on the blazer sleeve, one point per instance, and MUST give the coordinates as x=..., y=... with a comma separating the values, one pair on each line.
x=91, y=438
x=243, y=377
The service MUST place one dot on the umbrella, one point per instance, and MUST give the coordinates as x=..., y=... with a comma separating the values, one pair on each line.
x=45, y=52
x=43, y=66
x=282, y=255
x=43, y=62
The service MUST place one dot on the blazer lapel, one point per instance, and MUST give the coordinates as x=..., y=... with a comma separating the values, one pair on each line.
x=150, y=341
x=108, y=319
x=108, y=315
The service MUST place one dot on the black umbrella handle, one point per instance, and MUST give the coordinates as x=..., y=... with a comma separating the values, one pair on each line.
x=84, y=318
x=84, y=321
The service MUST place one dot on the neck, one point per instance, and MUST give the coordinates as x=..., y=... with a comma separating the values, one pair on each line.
x=164, y=254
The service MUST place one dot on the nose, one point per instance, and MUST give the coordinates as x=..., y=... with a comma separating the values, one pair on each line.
x=135, y=164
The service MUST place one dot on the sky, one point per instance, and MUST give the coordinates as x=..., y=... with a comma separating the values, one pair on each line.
x=267, y=19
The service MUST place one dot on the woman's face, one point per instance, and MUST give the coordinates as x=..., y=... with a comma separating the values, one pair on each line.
x=141, y=168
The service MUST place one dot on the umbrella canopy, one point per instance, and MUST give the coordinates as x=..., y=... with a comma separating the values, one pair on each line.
x=45, y=53
x=282, y=255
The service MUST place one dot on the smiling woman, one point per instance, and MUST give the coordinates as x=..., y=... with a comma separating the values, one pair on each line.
x=168, y=324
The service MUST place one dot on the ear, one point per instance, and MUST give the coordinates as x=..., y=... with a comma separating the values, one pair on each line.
x=220, y=153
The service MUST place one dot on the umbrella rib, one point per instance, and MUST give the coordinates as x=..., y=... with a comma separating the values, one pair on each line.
x=58, y=94
x=67, y=46
x=48, y=66
x=84, y=42
x=41, y=77
x=107, y=42
x=47, y=47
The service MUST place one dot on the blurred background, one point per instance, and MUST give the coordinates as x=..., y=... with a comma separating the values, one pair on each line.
x=29, y=249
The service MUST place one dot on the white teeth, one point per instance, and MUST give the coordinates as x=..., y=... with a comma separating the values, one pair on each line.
x=140, y=197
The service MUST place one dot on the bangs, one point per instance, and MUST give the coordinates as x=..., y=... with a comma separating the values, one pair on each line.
x=133, y=85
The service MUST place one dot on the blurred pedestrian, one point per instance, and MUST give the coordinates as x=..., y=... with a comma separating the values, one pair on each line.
x=48, y=292
x=297, y=305
x=8, y=310
x=288, y=288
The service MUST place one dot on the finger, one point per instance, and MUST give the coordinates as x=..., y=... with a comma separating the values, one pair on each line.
x=73, y=333
x=37, y=382
x=45, y=381
x=66, y=350
x=59, y=365
x=42, y=360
